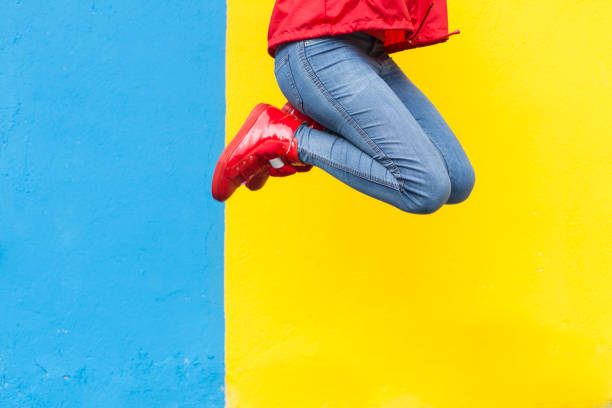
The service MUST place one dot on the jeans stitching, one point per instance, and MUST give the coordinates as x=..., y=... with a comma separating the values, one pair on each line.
x=285, y=65
x=313, y=76
x=389, y=61
x=292, y=82
x=365, y=176
x=444, y=158
x=281, y=61
x=313, y=41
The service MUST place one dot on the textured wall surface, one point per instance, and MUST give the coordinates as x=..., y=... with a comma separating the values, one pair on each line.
x=111, y=249
x=336, y=300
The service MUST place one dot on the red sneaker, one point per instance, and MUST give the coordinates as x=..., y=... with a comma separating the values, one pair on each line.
x=264, y=142
x=258, y=180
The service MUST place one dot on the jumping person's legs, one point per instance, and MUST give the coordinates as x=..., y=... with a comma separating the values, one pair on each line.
x=457, y=164
x=373, y=142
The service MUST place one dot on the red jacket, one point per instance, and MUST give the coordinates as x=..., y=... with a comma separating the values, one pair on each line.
x=403, y=23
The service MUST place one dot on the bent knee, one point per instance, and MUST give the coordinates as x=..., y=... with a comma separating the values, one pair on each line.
x=462, y=185
x=436, y=192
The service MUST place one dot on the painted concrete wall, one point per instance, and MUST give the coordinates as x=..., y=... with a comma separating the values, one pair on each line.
x=111, y=267
x=336, y=300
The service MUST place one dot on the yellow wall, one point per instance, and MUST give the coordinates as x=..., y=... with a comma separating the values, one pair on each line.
x=336, y=300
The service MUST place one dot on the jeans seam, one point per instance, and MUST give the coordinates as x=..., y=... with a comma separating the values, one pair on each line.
x=313, y=76
x=352, y=171
x=388, y=61
x=284, y=64
x=280, y=62
x=442, y=154
x=313, y=41
x=292, y=81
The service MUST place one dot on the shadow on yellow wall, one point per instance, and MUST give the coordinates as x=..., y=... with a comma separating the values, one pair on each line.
x=334, y=299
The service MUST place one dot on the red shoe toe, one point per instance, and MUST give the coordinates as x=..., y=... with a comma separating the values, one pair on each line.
x=225, y=179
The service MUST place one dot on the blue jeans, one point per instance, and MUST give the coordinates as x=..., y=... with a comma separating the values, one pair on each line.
x=383, y=136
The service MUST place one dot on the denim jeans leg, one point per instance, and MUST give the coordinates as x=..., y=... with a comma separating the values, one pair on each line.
x=373, y=142
x=458, y=166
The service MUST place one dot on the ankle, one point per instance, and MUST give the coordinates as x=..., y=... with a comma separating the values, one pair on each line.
x=293, y=153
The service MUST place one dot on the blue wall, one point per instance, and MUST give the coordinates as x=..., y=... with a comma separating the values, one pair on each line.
x=111, y=248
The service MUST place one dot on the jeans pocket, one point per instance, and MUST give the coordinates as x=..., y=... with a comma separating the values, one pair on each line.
x=286, y=82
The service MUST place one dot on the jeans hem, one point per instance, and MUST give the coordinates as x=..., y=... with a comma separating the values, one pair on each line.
x=362, y=175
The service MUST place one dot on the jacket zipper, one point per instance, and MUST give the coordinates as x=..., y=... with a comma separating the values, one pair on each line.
x=413, y=36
